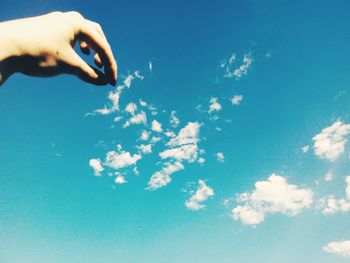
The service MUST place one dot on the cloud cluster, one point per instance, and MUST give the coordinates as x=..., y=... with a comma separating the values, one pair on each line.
x=275, y=195
x=331, y=205
x=203, y=192
x=234, y=71
x=329, y=143
x=182, y=148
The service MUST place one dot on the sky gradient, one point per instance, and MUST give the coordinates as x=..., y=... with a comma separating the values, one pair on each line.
x=256, y=83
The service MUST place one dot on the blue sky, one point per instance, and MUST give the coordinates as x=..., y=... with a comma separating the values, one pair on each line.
x=279, y=194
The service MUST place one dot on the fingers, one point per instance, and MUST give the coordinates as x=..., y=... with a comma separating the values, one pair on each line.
x=77, y=66
x=94, y=37
x=84, y=48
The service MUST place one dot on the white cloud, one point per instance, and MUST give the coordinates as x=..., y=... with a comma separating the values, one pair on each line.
x=114, y=97
x=138, y=75
x=240, y=70
x=174, y=121
x=162, y=177
x=187, y=135
x=201, y=160
x=144, y=135
x=341, y=248
x=145, y=148
x=97, y=166
x=143, y=103
x=331, y=205
x=169, y=134
x=202, y=194
x=220, y=157
x=120, y=159
x=329, y=176
x=137, y=119
x=120, y=180
x=214, y=105
x=185, y=152
x=131, y=108
x=329, y=143
x=128, y=81
x=305, y=149
x=272, y=196
x=156, y=126
x=236, y=100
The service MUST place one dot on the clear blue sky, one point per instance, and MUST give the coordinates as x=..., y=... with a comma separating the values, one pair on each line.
x=297, y=82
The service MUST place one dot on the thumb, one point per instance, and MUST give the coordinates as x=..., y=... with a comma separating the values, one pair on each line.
x=84, y=71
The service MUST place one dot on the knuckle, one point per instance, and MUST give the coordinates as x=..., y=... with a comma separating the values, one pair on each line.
x=75, y=15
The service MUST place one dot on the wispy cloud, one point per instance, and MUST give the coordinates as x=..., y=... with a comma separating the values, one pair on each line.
x=203, y=192
x=232, y=70
x=236, y=100
x=162, y=177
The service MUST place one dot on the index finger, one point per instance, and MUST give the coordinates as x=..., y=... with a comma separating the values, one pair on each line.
x=100, y=45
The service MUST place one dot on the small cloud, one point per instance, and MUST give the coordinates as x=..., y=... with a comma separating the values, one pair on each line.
x=201, y=195
x=214, y=105
x=144, y=135
x=220, y=157
x=156, y=126
x=120, y=180
x=341, y=248
x=120, y=159
x=329, y=176
x=236, y=100
x=137, y=119
x=174, y=121
x=162, y=177
x=96, y=165
x=305, y=149
x=145, y=149
x=330, y=142
x=237, y=72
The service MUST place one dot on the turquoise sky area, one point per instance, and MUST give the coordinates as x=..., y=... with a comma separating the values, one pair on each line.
x=245, y=114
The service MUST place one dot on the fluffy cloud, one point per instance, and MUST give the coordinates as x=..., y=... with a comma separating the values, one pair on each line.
x=275, y=195
x=120, y=159
x=202, y=194
x=236, y=100
x=145, y=148
x=214, y=105
x=305, y=149
x=120, y=180
x=329, y=143
x=156, y=126
x=144, y=135
x=96, y=165
x=137, y=119
x=220, y=157
x=331, y=205
x=339, y=248
x=162, y=177
x=131, y=108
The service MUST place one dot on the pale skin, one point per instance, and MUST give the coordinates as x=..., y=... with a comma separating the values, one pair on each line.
x=42, y=46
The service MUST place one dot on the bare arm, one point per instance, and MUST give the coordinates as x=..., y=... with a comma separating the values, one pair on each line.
x=43, y=46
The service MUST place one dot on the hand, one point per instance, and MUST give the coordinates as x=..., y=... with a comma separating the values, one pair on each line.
x=43, y=46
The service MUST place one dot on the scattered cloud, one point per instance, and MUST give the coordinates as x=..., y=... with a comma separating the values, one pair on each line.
x=330, y=142
x=220, y=157
x=137, y=119
x=202, y=194
x=275, y=195
x=96, y=165
x=120, y=158
x=236, y=100
x=341, y=248
x=145, y=148
x=305, y=149
x=162, y=177
x=214, y=105
x=144, y=135
x=114, y=97
x=329, y=176
x=156, y=126
x=120, y=180
x=234, y=71
x=331, y=205
x=174, y=121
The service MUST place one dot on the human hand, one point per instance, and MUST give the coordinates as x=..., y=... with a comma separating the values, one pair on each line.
x=43, y=46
